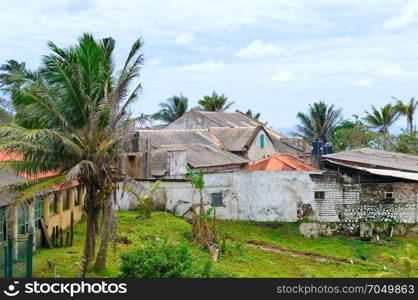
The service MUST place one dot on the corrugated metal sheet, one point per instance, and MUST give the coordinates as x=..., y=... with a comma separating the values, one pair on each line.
x=230, y=119
x=235, y=139
x=381, y=172
x=204, y=156
x=372, y=158
x=202, y=149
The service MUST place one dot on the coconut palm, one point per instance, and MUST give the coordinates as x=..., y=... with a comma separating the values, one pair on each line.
x=382, y=119
x=214, y=102
x=73, y=119
x=319, y=123
x=172, y=109
x=253, y=115
x=408, y=110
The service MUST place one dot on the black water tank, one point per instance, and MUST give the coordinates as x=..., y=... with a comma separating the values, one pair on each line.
x=317, y=147
x=328, y=148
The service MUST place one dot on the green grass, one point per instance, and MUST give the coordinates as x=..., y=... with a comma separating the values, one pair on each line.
x=239, y=260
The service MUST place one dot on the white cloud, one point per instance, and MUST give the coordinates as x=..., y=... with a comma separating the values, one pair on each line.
x=259, y=49
x=204, y=49
x=409, y=15
x=154, y=62
x=285, y=76
x=184, y=38
x=204, y=66
x=367, y=82
x=389, y=70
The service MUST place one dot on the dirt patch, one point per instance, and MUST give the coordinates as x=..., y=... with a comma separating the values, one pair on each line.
x=303, y=255
x=123, y=240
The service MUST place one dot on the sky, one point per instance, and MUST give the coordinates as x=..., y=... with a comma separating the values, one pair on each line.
x=271, y=56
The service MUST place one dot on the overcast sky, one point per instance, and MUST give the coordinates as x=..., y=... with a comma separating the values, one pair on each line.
x=274, y=57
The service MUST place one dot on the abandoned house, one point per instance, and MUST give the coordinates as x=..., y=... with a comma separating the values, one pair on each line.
x=293, y=191
x=196, y=119
x=368, y=184
x=54, y=207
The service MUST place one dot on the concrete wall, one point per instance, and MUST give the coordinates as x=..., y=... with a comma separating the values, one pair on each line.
x=256, y=153
x=257, y=195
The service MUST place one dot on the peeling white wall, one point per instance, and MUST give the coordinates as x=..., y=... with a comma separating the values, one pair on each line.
x=258, y=195
x=255, y=152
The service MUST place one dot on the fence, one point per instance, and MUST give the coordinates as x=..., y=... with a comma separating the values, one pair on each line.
x=16, y=258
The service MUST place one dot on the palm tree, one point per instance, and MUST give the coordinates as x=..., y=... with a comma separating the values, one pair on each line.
x=214, y=102
x=382, y=119
x=253, y=115
x=73, y=119
x=408, y=110
x=319, y=123
x=172, y=109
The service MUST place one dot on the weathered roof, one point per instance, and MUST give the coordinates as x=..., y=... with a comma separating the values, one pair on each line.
x=373, y=158
x=230, y=119
x=281, y=162
x=203, y=156
x=170, y=137
x=383, y=172
x=202, y=149
x=237, y=138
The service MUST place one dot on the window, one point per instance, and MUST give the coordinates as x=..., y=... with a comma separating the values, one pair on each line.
x=23, y=219
x=76, y=200
x=3, y=231
x=66, y=199
x=53, y=204
x=319, y=195
x=217, y=200
x=389, y=195
x=262, y=141
x=39, y=212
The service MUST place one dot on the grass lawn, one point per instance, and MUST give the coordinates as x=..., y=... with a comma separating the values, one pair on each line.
x=239, y=259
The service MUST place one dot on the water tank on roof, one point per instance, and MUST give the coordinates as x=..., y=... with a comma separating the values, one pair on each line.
x=317, y=147
x=328, y=148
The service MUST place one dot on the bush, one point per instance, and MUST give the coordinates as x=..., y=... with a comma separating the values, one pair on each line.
x=164, y=260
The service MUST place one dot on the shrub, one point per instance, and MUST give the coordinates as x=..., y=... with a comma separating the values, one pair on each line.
x=164, y=260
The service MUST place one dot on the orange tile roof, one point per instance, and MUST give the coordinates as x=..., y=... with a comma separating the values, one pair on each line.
x=14, y=156
x=280, y=162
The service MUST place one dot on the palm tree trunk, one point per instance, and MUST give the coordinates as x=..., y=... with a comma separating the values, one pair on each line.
x=107, y=230
x=90, y=238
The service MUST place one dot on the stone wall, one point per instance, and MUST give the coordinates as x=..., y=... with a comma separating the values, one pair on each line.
x=348, y=202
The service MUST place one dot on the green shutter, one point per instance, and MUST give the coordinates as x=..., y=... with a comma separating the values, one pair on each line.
x=262, y=141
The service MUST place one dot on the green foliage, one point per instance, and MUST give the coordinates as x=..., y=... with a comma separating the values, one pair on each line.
x=162, y=259
x=196, y=178
x=352, y=138
x=253, y=115
x=172, y=109
x=214, y=102
x=382, y=118
x=358, y=246
x=319, y=123
x=146, y=202
x=406, y=262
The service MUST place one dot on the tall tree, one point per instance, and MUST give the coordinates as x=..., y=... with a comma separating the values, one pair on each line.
x=172, y=109
x=76, y=120
x=382, y=119
x=319, y=123
x=215, y=102
x=253, y=115
x=408, y=110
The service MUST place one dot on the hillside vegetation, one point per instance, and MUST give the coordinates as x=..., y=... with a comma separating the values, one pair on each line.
x=251, y=249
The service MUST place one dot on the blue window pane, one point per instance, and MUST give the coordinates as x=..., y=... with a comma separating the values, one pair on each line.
x=262, y=141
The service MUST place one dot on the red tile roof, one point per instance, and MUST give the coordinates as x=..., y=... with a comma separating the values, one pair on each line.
x=280, y=162
x=14, y=156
